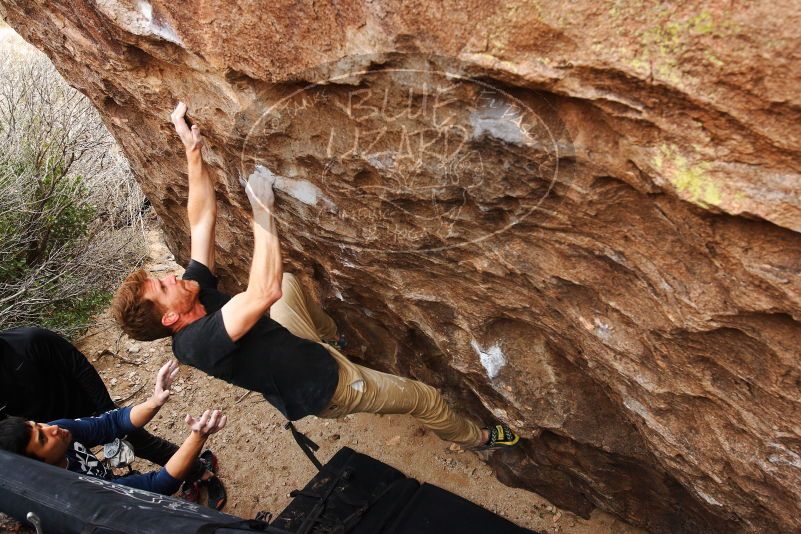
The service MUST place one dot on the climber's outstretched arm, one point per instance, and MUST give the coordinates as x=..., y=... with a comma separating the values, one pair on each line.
x=266, y=269
x=202, y=204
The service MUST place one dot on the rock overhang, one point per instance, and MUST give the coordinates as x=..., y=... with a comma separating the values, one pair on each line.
x=645, y=311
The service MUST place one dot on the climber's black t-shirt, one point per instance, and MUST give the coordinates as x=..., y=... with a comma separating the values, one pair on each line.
x=295, y=375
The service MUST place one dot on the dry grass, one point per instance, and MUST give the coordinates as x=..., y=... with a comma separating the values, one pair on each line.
x=71, y=215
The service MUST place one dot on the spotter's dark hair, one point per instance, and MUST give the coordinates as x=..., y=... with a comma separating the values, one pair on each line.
x=15, y=433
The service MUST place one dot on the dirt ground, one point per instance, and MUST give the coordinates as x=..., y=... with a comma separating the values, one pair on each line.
x=260, y=463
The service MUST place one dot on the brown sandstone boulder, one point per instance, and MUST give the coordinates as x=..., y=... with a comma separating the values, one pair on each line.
x=581, y=219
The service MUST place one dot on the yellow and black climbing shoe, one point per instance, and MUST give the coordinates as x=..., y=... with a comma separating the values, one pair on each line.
x=500, y=436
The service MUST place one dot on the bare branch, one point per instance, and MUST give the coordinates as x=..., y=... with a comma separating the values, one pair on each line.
x=71, y=214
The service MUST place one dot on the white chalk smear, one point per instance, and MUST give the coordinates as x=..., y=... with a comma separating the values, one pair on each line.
x=301, y=190
x=146, y=9
x=138, y=20
x=500, y=121
x=492, y=358
x=784, y=456
x=602, y=329
x=160, y=29
x=708, y=498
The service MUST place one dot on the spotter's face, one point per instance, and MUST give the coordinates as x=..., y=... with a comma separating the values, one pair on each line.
x=48, y=443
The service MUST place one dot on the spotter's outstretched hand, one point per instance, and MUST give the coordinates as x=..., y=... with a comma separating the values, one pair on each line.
x=208, y=423
x=164, y=380
x=190, y=137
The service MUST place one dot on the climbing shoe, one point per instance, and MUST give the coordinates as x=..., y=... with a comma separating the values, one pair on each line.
x=217, y=496
x=340, y=343
x=190, y=491
x=500, y=436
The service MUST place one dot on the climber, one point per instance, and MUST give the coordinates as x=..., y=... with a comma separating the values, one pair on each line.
x=67, y=442
x=282, y=355
x=43, y=378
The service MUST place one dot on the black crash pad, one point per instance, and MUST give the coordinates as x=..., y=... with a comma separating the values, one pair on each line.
x=357, y=494
x=353, y=494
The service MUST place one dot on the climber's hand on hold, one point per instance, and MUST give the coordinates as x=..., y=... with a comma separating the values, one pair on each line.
x=259, y=189
x=190, y=137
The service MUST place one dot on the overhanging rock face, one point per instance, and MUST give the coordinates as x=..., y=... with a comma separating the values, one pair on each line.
x=582, y=220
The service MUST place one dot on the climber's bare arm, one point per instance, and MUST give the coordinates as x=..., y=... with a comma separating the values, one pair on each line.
x=202, y=204
x=266, y=270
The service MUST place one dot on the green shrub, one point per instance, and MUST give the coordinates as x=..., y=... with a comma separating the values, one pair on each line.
x=71, y=215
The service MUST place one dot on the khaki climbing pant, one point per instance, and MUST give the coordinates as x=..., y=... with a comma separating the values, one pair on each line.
x=361, y=389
